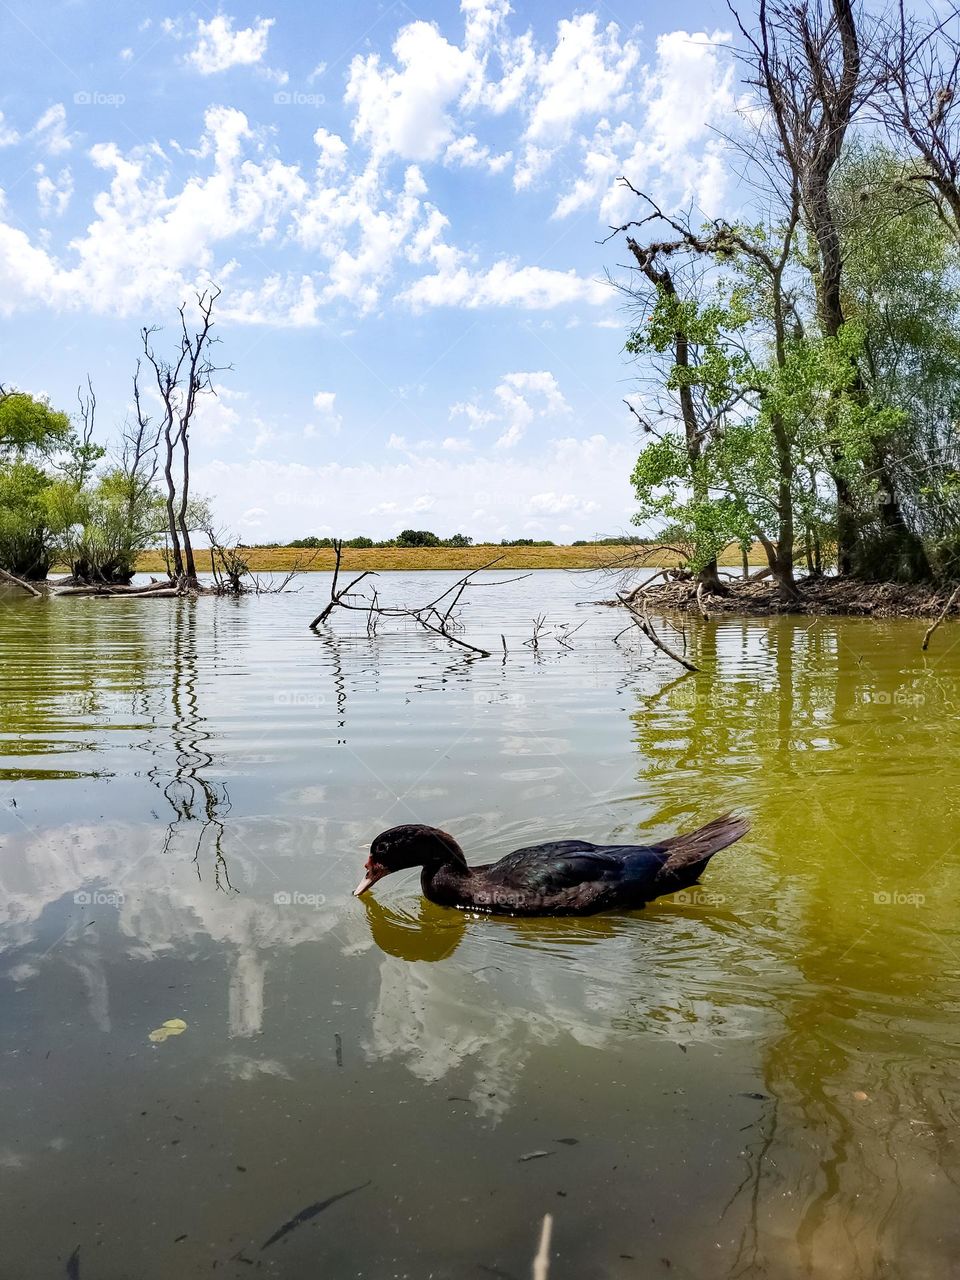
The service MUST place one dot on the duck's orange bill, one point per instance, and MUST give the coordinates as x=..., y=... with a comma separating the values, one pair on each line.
x=371, y=876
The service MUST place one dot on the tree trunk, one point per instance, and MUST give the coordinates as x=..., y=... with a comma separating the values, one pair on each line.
x=709, y=578
x=190, y=564
x=847, y=533
x=783, y=568
x=902, y=550
x=171, y=512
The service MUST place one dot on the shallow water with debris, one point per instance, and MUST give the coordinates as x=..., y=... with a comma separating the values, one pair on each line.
x=216, y=1061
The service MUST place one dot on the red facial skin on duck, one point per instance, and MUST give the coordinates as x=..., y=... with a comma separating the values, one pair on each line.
x=373, y=872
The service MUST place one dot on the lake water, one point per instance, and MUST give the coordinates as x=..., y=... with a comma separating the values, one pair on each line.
x=759, y=1079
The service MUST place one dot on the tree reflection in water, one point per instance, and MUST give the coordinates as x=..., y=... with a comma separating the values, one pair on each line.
x=848, y=1169
x=192, y=794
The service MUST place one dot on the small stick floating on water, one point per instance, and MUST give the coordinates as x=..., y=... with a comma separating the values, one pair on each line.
x=309, y=1212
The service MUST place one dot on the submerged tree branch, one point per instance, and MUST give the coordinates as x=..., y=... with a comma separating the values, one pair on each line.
x=19, y=582
x=438, y=616
x=642, y=620
x=933, y=625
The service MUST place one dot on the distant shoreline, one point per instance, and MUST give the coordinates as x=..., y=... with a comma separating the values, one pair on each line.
x=385, y=559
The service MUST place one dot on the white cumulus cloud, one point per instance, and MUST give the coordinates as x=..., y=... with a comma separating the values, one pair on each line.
x=219, y=47
x=405, y=110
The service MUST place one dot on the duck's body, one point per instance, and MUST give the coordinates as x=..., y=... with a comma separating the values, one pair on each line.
x=559, y=878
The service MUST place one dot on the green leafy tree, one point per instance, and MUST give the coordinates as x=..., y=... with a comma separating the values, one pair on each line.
x=417, y=538
x=900, y=286
x=29, y=425
x=29, y=520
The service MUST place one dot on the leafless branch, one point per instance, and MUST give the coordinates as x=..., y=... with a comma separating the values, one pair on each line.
x=438, y=616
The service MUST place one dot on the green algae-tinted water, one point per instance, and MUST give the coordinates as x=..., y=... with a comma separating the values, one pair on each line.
x=758, y=1078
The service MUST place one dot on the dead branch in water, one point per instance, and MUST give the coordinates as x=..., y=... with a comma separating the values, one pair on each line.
x=438, y=616
x=642, y=620
x=539, y=622
x=162, y=588
x=633, y=593
x=337, y=597
x=933, y=625
x=565, y=630
x=20, y=582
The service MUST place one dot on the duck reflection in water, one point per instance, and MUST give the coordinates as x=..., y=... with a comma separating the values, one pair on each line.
x=431, y=933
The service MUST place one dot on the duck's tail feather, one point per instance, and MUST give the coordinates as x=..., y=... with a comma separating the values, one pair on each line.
x=691, y=851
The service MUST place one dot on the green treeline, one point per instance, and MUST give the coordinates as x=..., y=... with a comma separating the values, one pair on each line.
x=414, y=538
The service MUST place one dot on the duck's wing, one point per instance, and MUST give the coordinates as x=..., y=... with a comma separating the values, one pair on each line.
x=559, y=865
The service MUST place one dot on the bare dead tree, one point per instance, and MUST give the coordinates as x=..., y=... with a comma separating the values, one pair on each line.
x=917, y=99
x=139, y=455
x=180, y=384
x=86, y=453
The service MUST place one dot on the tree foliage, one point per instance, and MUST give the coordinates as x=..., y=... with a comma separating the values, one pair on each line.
x=800, y=371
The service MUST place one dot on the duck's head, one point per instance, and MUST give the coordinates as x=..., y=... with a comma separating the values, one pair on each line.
x=411, y=845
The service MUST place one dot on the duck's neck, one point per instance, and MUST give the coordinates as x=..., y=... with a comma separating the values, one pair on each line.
x=445, y=880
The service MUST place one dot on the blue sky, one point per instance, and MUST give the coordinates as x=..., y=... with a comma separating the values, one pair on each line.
x=402, y=206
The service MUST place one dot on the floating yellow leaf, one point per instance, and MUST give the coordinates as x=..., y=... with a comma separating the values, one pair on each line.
x=172, y=1027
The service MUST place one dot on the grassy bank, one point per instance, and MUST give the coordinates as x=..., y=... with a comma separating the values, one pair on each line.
x=282, y=559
